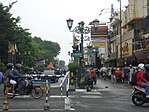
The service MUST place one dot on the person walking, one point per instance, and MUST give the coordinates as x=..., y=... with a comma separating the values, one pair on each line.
x=131, y=71
x=93, y=74
x=113, y=78
x=1, y=76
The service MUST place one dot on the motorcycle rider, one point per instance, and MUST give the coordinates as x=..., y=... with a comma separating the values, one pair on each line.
x=88, y=77
x=141, y=81
x=20, y=80
x=9, y=74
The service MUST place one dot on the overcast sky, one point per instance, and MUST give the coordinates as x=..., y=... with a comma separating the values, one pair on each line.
x=47, y=18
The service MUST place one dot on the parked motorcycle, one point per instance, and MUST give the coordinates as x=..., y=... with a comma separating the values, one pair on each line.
x=139, y=96
x=34, y=90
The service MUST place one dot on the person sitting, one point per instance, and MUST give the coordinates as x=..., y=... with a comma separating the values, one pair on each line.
x=118, y=75
x=141, y=81
x=88, y=77
x=19, y=78
x=9, y=74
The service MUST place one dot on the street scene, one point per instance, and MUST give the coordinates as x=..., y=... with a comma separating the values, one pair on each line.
x=105, y=96
x=78, y=55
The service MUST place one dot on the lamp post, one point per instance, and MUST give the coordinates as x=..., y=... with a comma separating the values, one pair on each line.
x=120, y=33
x=80, y=29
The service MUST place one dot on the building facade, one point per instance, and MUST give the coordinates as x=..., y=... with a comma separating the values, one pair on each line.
x=135, y=34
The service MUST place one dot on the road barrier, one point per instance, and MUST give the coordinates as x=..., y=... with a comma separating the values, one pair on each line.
x=5, y=103
x=67, y=100
x=47, y=89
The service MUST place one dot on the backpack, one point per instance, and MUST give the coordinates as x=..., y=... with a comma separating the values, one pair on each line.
x=134, y=79
x=1, y=77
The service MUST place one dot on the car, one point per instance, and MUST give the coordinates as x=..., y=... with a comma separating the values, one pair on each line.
x=51, y=75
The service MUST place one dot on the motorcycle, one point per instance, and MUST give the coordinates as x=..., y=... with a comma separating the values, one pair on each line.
x=139, y=96
x=30, y=89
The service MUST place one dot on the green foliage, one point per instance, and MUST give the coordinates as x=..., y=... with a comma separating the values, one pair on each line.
x=2, y=67
x=10, y=31
x=25, y=69
x=45, y=49
x=73, y=67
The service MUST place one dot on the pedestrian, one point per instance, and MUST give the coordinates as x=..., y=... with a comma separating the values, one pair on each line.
x=1, y=77
x=93, y=74
x=97, y=72
x=131, y=71
x=113, y=78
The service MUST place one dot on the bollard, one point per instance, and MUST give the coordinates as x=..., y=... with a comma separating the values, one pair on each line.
x=5, y=103
x=61, y=89
x=46, y=105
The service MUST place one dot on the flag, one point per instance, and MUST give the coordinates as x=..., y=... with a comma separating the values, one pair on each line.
x=12, y=48
x=75, y=40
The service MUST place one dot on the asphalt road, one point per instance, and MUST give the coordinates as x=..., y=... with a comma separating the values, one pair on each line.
x=104, y=97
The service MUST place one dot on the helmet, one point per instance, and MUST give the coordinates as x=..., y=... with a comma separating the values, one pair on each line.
x=146, y=67
x=18, y=65
x=10, y=65
x=141, y=66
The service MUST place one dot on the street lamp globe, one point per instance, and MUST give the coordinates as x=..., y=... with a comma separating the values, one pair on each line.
x=69, y=23
x=81, y=24
x=96, y=23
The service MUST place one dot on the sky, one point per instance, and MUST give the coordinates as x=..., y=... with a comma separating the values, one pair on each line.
x=47, y=18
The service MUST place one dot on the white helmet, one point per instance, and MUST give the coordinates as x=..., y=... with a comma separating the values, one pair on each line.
x=141, y=66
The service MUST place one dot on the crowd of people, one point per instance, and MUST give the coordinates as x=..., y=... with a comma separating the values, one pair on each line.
x=139, y=74
x=90, y=76
x=117, y=75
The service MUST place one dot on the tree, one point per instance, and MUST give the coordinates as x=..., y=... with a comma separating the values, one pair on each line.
x=11, y=32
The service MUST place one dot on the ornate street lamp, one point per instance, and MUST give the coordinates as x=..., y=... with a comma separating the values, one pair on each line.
x=80, y=29
x=96, y=23
x=69, y=23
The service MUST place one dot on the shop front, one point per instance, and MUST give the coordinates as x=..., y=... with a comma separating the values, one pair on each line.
x=127, y=55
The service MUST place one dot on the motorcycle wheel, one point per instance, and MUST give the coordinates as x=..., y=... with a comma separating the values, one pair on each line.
x=37, y=92
x=138, y=99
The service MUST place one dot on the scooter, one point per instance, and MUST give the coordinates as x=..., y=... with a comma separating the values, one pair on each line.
x=139, y=96
x=34, y=90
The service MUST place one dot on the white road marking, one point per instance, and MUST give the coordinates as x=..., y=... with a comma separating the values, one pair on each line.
x=91, y=96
